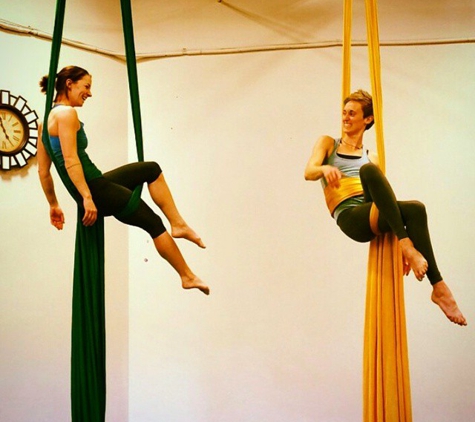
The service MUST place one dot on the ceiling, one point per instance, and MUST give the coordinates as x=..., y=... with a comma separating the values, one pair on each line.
x=172, y=26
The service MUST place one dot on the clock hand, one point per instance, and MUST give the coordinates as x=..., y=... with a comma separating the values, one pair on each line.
x=4, y=130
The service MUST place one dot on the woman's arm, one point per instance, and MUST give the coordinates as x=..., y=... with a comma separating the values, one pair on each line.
x=44, y=173
x=68, y=125
x=315, y=169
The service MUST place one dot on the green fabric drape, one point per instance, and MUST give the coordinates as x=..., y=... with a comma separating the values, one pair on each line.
x=88, y=334
x=88, y=348
x=127, y=23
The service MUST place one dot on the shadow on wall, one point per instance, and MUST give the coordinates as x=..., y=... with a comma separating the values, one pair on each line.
x=18, y=172
x=292, y=28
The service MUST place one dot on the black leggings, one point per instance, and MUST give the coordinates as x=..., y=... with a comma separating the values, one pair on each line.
x=113, y=190
x=403, y=218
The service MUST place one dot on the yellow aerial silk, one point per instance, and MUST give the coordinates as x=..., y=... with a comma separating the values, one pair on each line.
x=349, y=187
x=386, y=385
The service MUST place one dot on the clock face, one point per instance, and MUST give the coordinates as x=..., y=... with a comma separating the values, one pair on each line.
x=18, y=131
x=13, y=130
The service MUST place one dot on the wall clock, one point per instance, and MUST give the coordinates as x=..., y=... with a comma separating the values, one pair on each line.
x=18, y=131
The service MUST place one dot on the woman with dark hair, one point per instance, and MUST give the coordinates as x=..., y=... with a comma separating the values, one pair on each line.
x=109, y=193
x=353, y=182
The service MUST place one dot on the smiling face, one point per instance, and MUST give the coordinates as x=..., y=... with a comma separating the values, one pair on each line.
x=78, y=92
x=353, y=119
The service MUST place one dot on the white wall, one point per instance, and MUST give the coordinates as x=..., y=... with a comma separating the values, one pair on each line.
x=37, y=261
x=280, y=337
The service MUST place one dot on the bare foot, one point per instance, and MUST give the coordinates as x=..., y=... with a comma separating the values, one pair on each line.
x=186, y=232
x=442, y=296
x=194, y=283
x=414, y=258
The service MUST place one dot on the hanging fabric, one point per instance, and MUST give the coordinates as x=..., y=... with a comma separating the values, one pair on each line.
x=346, y=70
x=128, y=29
x=88, y=354
x=88, y=336
x=386, y=384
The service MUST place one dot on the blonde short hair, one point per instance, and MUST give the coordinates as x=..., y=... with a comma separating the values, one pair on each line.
x=366, y=101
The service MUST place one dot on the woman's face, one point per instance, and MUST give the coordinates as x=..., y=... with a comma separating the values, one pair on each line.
x=79, y=91
x=352, y=118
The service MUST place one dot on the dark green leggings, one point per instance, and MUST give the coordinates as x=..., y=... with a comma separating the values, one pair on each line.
x=403, y=218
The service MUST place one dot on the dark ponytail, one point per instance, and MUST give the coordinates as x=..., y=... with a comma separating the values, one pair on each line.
x=44, y=84
x=75, y=73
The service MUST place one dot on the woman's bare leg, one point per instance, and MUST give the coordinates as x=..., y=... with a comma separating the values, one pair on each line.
x=168, y=250
x=442, y=296
x=162, y=196
x=414, y=258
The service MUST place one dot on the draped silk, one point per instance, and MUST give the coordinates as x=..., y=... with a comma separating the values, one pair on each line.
x=349, y=187
x=386, y=384
x=88, y=337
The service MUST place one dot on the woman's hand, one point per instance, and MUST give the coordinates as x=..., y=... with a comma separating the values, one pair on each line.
x=332, y=176
x=90, y=212
x=56, y=217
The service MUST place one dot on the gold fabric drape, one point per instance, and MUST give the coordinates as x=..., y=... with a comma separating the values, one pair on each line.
x=386, y=384
x=349, y=187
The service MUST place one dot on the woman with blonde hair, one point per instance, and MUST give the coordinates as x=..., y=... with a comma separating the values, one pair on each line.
x=338, y=161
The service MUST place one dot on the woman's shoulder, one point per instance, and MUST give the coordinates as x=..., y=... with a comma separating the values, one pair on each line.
x=62, y=116
x=65, y=115
x=326, y=143
x=64, y=111
x=323, y=148
x=326, y=139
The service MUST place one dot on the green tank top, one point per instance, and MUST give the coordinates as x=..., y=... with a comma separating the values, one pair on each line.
x=89, y=168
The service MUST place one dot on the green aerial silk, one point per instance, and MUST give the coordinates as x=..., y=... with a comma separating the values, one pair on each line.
x=88, y=337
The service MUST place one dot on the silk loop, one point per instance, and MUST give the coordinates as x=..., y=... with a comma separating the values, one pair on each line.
x=349, y=187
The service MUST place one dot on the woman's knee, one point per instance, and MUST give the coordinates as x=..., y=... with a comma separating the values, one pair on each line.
x=415, y=210
x=369, y=169
x=146, y=219
x=419, y=207
x=153, y=171
x=369, y=172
